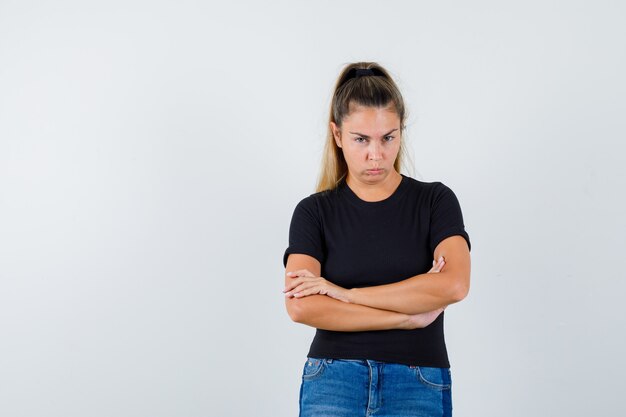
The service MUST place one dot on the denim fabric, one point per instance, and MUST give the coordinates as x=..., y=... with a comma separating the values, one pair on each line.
x=359, y=387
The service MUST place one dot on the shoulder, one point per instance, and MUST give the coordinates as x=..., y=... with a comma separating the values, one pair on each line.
x=434, y=195
x=440, y=189
x=430, y=189
x=317, y=201
x=314, y=206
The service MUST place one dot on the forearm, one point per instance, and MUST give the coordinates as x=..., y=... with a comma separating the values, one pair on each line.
x=323, y=312
x=418, y=294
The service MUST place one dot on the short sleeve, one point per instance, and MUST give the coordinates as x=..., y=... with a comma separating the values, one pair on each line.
x=305, y=231
x=446, y=218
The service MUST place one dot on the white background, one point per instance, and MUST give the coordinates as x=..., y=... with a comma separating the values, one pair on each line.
x=152, y=153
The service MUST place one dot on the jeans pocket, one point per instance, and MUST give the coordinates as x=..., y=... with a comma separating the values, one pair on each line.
x=313, y=368
x=436, y=378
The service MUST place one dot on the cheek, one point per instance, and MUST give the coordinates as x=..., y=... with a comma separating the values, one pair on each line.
x=352, y=152
x=394, y=150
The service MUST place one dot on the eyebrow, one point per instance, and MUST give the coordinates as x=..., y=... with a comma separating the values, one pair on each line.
x=365, y=136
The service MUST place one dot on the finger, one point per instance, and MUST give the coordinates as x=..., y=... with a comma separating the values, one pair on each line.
x=292, y=284
x=437, y=265
x=300, y=273
x=305, y=292
x=295, y=282
x=302, y=287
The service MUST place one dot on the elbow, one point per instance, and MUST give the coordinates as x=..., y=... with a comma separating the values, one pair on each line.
x=304, y=310
x=295, y=310
x=460, y=291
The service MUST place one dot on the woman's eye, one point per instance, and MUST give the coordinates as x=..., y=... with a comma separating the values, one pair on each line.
x=389, y=138
x=360, y=140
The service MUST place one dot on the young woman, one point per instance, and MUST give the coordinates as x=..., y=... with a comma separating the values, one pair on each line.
x=360, y=268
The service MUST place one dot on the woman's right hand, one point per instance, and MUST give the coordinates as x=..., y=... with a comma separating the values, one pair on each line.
x=421, y=320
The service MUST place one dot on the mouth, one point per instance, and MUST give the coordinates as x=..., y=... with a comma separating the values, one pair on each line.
x=375, y=171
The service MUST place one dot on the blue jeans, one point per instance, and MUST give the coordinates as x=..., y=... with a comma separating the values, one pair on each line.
x=359, y=387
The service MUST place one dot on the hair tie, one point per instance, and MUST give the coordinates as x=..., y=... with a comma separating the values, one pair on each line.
x=363, y=72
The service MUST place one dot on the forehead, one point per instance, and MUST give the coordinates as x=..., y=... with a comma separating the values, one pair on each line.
x=369, y=118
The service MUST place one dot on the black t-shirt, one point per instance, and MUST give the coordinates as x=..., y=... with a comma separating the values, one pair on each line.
x=361, y=244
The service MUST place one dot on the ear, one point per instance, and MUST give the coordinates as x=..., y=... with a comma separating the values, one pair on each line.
x=336, y=133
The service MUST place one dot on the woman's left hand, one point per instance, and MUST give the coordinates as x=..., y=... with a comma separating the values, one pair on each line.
x=305, y=283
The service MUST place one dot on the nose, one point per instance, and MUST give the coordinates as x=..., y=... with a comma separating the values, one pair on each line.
x=375, y=152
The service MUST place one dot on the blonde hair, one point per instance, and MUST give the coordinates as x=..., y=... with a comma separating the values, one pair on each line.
x=377, y=90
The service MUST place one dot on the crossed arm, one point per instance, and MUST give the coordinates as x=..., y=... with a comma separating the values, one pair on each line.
x=407, y=304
